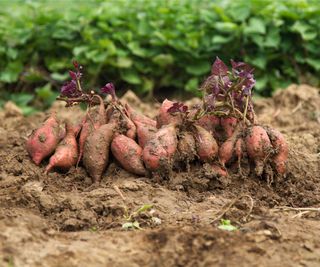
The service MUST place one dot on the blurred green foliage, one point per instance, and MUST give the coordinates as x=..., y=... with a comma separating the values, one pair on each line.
x=148, y=45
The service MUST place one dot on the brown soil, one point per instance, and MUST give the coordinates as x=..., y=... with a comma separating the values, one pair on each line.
x=59, y=220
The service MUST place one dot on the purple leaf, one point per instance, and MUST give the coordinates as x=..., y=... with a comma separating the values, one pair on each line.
x=69, y=89
x=178, y=107
x=109, y=89
x=73, y=75
x=75, y=64
x=219, y=68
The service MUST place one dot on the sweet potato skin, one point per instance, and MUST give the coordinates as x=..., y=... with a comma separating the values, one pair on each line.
x=206, y=145
x=209, y=122
x=229, y=125
x=187, y=146
x=96, y=150
x=138, y=118
x=66, y=154
x=159, y=152
x=145, y=132
x=43, y=141
x=281, y=150
x=165, y=118
x=226, y=151
x=258, y=146
x=128, y=153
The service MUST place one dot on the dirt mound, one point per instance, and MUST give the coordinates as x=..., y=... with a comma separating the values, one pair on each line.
x=59, y=220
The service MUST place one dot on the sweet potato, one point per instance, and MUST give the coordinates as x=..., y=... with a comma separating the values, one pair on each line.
x=164, y=117
x=228, y=124
x=186, y=147
x=159, y=151
x=209, y=122
x=43, y=141
x=281, y=149
x=128, y=153
x=139, y=118
x=206, y=145
x=96, y=150
x=217, y=170
x=145, y=132
x=93, y=120
x=66, y=154
x=131, y=128
x=258, y=146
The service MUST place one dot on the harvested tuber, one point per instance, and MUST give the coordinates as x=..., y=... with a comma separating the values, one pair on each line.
x=43, y=141
x=228, y=124
x=164, y=117
x=206, y=145
x=159, y=152
x=259, y=147
x=66, y=154
x=139, y=118
x=186, y=147
x=128, y=153
x=209, y=122
x=281, y=150
x=96, y=150
x=145, y=132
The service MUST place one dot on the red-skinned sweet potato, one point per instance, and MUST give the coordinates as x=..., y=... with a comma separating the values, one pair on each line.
x=258, y=146
x=96, y=150
x=229, y=125
x=43, y=141
x=281, y=150
x=186, y=147
x=145, y=132
x=128, y=153
x=209, y=122
x=159, y=152
x=139, y=118
x=66, y=154
x=165, y=118
x=206, y=145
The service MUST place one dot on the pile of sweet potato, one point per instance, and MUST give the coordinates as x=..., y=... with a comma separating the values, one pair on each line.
x=220, y=132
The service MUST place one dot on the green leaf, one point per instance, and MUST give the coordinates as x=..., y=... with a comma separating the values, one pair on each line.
x=256, y=25
x=79, y=50
x=163, y=60
x=22, y=99
x=59, y=77
x=11, y=72
x=219, y=39
x=227, y=27
x=273, y=38
x=198, y=67
x=192, y=85
x=131, y=76
x=239, y=10
x=227, y=226
x=315, y=63
x=306, y=31
x=123, y=62
x=137, y=50
x=144, y=208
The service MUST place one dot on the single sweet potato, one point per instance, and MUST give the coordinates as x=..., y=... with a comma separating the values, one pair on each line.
x=159, y=151
x=281, y=150
x=217, y=170
x=258, y=146
x=145, y=132
x=164, y=117
x=131, y=128
x=66, y=154
x=43, y=141
x=206, y=145
x=186, y=147
x=96, y=150
x=137, y=117
x=128, y=153
x=228, y=124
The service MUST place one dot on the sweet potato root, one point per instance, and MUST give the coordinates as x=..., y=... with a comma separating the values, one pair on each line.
x=258, y=146
x=206, y=145
x=186, y=147
x=209, y=122
x=43, y=141
x=281, y=150
x=66, y=154
x=96, y=150
x=128, y=153
x=145, y=132
x=164, y=117
x=139, y=118
x=159, y=152
x=228, y=124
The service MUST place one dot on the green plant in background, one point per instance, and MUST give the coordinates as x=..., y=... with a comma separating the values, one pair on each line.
x=150, y=45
